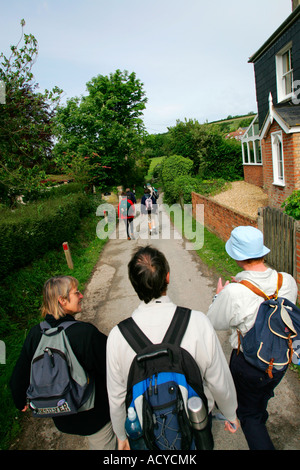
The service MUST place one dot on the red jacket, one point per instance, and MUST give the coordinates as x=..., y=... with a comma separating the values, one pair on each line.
x=128, y=209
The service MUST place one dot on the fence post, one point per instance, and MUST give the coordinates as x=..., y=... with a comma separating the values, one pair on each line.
x=68, y=255
x=260, y=219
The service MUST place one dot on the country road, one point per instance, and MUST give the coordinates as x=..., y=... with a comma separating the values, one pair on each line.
x=109, y=298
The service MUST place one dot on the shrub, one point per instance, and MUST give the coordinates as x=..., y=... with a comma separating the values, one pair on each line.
x=180, y=190
x=174, y=166
x=32, y=230
x=291, y=205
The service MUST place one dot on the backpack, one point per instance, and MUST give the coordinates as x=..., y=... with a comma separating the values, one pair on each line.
x=161, y=379
x=155, y=193
x=268, y=344
x=148, y=203
x=124, y=208
x=59, y=385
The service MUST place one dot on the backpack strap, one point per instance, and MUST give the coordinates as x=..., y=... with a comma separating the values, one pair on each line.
x=133, y=335
x=44, y=325
x=259, y=292
x=138, y=340
x=177, y=326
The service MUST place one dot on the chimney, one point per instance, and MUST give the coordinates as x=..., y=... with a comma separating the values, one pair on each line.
x=295, y=4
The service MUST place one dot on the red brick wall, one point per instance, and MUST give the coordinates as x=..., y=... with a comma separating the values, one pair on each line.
x=253, y=174
x=291, y=154
x=220, y=219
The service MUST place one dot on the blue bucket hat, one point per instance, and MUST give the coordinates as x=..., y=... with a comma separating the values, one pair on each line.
x=246, y=242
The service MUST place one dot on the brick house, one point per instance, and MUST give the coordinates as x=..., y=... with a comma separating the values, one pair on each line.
x=271, y=144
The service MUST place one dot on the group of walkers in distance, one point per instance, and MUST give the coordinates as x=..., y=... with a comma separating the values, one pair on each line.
x=149, y=208
x=239, y=390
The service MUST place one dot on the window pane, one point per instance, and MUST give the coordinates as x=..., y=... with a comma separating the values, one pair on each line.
x=246, y=160
x=257, y=151
x=280, y=160
x=285, y=62
x=251, y=149
x=288, y=83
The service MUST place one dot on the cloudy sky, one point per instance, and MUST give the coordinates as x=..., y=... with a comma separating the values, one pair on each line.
x=191, y=55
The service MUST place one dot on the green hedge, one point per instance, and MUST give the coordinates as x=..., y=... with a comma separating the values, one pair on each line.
x=32, y=230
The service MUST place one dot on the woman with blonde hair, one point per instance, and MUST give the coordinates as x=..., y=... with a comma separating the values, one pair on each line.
x=61, y=302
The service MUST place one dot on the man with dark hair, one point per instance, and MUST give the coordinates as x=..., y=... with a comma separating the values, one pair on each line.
x=149, y=274
x=235, y=307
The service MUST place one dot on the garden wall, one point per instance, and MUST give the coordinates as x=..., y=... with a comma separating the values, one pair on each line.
x=221, y=219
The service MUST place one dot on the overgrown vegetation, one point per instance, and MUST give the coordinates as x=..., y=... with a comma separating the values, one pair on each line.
x=26, y=122
x=291, y=205
x=21, y=296
x=198, y=159
x=32, y=230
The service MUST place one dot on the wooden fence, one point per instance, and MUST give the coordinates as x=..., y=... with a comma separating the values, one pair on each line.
x=279, y=235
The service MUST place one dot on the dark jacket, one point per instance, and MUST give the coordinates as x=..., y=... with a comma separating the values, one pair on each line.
x=144, y=210
x=89, y=346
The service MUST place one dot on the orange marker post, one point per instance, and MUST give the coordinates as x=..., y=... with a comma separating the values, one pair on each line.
x=68, y=255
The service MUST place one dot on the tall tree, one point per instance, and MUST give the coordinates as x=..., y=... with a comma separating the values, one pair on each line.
x=105, y=124
x=26, y=121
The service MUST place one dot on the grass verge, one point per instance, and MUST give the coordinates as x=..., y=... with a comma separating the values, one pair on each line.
x=21, y=296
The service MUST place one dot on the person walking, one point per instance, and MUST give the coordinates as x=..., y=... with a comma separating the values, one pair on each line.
x=149, y=274
x=235, y=307
x=61, y=301
x=126, y=212
x=149, y=208
x=130, y=195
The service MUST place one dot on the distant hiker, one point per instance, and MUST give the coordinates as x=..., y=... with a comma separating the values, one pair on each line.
x=235, y=307
x=126, y=212
x=149, y=207
x=130, y=195
x=149, y=275
x=61, y=302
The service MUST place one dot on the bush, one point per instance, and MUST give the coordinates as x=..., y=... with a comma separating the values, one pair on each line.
x=32, y=230
x=223, y=160
x=180, y=190
x=174, y=166
x=291, y=205
x=50, y=192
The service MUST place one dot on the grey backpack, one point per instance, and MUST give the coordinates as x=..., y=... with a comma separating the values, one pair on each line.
x=59, y=385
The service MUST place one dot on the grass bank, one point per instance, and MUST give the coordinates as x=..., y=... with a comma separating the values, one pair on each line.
x=21, y=296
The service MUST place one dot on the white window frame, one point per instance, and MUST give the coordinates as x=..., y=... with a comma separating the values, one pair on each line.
x=250, y=138
x=277, y=158
x=281, y=77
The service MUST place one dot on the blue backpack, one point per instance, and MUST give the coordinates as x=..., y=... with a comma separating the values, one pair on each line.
x=268, y=344
x=161, y=379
